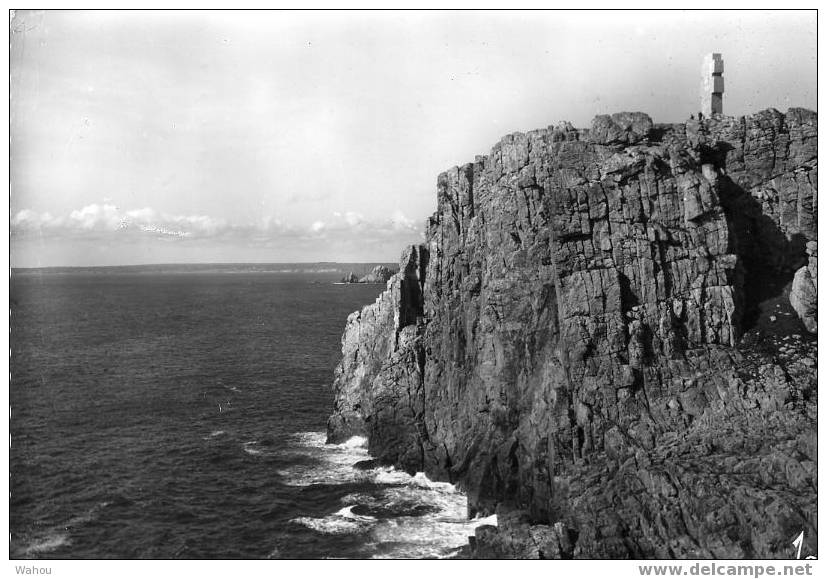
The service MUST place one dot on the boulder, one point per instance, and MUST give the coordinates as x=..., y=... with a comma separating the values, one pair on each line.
x=804, y=291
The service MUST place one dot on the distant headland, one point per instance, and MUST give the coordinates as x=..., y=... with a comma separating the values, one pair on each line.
x=379, y=274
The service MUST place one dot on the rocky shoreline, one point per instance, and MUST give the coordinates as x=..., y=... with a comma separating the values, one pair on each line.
x=607, y=339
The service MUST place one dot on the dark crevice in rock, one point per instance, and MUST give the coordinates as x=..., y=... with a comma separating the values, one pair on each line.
x=769, y=258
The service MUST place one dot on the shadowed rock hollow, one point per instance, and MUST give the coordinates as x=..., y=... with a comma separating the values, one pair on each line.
x=582, y=344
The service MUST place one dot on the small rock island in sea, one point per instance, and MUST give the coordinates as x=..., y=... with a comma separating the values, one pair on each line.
x=379, y=274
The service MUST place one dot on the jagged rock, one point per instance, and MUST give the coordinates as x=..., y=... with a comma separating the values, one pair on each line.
x=565, y=344
x=804, y=291
x=381, y=356
x=522, y=540
x=380, y=274
x=620, y=128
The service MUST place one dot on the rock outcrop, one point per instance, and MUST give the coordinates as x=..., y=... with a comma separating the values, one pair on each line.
x=804, y=292
x=567, y=345
x=379, y=274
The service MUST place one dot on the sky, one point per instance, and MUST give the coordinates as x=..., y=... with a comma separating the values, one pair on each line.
x=198, y=137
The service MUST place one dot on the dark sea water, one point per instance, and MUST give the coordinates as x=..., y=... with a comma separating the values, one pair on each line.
x=182, y=415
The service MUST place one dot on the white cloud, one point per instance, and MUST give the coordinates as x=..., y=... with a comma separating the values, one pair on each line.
x=356, y=222
x=94, y=216
x=28, y=220
x=141, y=215
x=400, y=221
x=352, y=218
x=107, y=222
x=100, y=219
x=146, y=235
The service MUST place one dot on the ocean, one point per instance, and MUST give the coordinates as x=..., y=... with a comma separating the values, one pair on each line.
x=163, y=413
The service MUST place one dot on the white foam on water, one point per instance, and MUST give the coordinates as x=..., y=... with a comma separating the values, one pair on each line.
x=329, y=525
x=347, y=513
x=421, y=480
x=356, y=499
x=58, y=536
x=342, y=521
x=309, y=438
x=439, y=532
x=321, y=463
x=391, y=476
x=249, y=448
x=415, y=516
x=354, y=442
x=424, y=537
x=48, y=543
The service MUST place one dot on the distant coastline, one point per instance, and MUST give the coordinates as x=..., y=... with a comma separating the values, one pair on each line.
x=172, y=268
x=379, y=274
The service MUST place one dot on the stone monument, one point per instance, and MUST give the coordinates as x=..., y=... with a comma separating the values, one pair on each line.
x=712, y=85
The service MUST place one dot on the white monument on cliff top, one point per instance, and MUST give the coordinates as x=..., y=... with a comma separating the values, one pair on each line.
x=712, y=85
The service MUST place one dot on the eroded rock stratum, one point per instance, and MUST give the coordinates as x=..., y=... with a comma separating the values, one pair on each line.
x=580, y=342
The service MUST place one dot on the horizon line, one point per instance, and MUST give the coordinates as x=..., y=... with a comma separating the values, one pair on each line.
x=205, y=263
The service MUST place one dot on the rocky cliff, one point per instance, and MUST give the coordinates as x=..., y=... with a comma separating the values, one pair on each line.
x=584, y=342
x=379, y=274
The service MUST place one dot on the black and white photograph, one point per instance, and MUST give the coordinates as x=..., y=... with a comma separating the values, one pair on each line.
x=414, y=284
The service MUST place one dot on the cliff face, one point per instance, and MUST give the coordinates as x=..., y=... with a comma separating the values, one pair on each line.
x=379, y=274
x=567, y=345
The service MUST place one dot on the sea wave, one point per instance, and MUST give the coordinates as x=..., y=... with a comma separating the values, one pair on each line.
x=250, y=448
x=343, y=521
x=314, y=462
x=399, y=515
x=54, y=538
x=46, y=544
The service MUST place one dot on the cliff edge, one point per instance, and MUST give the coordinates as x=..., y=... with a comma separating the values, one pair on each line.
x=596, y=341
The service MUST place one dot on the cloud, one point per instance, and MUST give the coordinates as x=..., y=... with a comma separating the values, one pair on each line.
x=352, y=218
x=400, y=221
x=107, y=221
x=354, y=222
x=96, y=217
x=28, y=220
x=102, y=220
x=104, y=234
